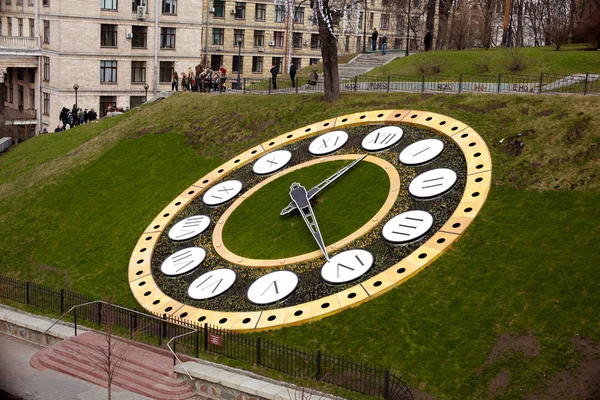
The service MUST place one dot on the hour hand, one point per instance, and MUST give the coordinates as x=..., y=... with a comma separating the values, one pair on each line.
x=300, y=198
x=312, y=192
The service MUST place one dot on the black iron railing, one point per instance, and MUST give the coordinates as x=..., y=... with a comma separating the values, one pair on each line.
x=190, y=338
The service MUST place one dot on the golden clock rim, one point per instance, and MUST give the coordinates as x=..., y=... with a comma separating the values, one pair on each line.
x=479, y=165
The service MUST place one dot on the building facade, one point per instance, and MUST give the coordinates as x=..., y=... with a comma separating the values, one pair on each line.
x=116, y=53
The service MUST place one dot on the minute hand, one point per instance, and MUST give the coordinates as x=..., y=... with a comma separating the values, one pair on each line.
x=312, y=192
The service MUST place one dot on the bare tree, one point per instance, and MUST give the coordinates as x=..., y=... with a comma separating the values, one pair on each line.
x=485, y=16
x=557, y=28
x=460, y=34
x=443, y=18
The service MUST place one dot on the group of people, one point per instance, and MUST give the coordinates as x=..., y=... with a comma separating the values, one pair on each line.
x=374, y=37
x=203, y=79
x=75, y=116
x=313, y=76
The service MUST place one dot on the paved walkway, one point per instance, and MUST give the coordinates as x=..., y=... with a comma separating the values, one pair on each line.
x=20, y=379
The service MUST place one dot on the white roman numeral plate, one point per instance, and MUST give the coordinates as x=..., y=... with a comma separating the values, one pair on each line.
x=407, y=226
x=189, y=228
x=272, y=162
x=382, y=138
x=272, y=287
x=211, y=284
x=328, y=143
x=421, y=152
x=347, y=266
x=432, y=183
x=222, y=193
x=183, y=261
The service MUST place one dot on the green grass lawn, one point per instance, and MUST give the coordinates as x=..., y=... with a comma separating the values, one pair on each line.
x=75, y=203
x=256, y=230
x=570, y=59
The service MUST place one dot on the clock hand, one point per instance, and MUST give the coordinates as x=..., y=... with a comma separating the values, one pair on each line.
x=312, y=192
x=300, y=198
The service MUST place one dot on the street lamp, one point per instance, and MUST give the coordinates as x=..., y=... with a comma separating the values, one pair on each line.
x=239, y=66
x=76, y=87
x=408, y=30
x=365, y=30
x=146, y=89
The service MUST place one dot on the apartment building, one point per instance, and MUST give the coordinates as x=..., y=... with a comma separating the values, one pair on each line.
x=113, y=52
x=117, y=53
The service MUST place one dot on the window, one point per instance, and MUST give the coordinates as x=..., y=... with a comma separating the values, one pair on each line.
x=385, y=21
x=257, y=64
x=166, y=71
x=11, y=93
x=31, y=75
x=238, y=36
x=105, y=102
x=136, y=101
x=314, y=61
x=108, y=71
x=297, y=62
x=137, y=3
x=216, y=60
x=46, y=103
x=240, y=10
x=260, y=12
x=218, y=34
x=108, y=35
x=347, y=47
x=31, y=27
x=46, y=3
x=138, y=71
x=167, y=38
x=0, y=26
x=19, y=2
x=32, y=99
x=278, y=38
x=297, y=40
x=46, y=31
x=169, y=7
x=371, y=16
x=259, y=38
x=20, y=25
x=20, y=97
x=20, y=74
x=46, y=72
x=31, y=3
x=299, y=15
x=278, y=63
x=109, y=5
x=8, y=2
x=279, y=13
x=8, y=26
x=234, y=66
x=399, y=23
x=361, y=15
x=315, y=41
x=372, y=2
x=219, y=8
x=385, y=3
x=140, y=34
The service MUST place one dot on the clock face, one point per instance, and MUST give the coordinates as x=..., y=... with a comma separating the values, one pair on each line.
x=313, y=221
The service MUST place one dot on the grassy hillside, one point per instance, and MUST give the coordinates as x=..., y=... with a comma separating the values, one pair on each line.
x=509, y=309
x=569, y=60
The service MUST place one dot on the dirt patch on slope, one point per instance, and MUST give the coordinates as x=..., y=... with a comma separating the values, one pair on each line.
x=507, y=344
x=498, y=385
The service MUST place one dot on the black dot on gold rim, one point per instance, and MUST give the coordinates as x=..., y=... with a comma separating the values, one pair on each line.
x=363, y=116
x=155, y=302
x=428, y=119
x=377, y=284
x=205, y=181
x=271, y=144
x=246, y=320
x=298, y=313
x=140, y=261
x=253, y=152
x=220, y=171
x=271, y=318
x=166, y=215
x=441, y=240
x=183, y=315
x=290, y=136
x=345, y=119
x=422, y=255
x=307, y=130
x=397, y=115
x=168, y=309
x=325, y=305
x=201, y=319
x=380, y=115
x=326, y=124
x=149, y=238
x=147, y=293
x=139, y=272
x=401, y=270
x=191, y=192
x=222, y=320
x=236, y=161
x=352, y=295
x=156, y=227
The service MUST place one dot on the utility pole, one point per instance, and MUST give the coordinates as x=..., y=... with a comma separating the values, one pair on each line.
x=365, y=30
x=408, y=29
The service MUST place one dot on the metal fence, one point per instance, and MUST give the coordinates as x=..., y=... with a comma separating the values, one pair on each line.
x=190, y=338
x=545, y=83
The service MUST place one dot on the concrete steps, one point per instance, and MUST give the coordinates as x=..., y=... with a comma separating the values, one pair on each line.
x=363, y=63
x=144, y=372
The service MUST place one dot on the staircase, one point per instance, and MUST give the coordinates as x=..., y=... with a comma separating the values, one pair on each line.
x=363, y=63
x=143, y=371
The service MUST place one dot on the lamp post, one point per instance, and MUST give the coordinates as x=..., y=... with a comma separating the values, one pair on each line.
x=408, y=30
x=239, y=66
x=365, y=30
x=146, y=89
x=76, y=87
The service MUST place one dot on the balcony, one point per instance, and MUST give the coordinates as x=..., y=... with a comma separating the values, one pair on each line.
x=19, y=43
x=16, y=51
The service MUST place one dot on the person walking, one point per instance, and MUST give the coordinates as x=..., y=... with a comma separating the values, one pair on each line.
x=374, y=39
x=428, y=40
x=383, y=44
x=293, y=74
x=274, y=76
x=175, y=82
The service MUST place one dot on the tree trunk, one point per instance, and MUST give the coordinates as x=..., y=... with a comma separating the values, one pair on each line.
x=444, y=14
x=507, y=4
x=520, y=25
x=430, y=22
x=331, y=76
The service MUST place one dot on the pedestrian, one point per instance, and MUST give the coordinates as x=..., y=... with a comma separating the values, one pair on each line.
x=175, y=82
x=44, y=131
x=74, y=113
x=383, y=44
x=428, y=40
x=374, y=39
x=274, y=76
x=85, y=116
x=92, y=115
x=81, y=117
x=64, y=117
x=58, y=128
x=293, y=74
